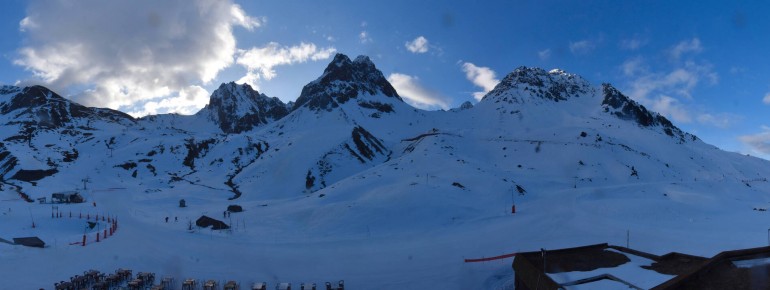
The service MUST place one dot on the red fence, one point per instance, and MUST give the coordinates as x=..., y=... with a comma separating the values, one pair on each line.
x=100, y=234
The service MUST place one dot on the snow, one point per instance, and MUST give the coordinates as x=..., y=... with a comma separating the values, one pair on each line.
x=604, y=284
x=393, y=222
x=556, y=71
x=752, y=263
x=631, y=272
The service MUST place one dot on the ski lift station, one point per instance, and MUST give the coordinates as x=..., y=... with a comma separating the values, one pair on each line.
x=67, y=197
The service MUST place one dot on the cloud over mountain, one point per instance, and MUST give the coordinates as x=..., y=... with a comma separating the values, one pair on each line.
x=260, y=61
x=416, y=94
x=124, y=53
x=480, y=76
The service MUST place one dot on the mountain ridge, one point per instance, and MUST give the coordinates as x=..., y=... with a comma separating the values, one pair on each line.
x=348, y=121
x=546, y=161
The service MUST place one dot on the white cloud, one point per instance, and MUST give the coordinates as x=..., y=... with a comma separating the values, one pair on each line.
x=244, y=20
x=737, y=70
x=681, y=80
x=633, y=66
x=415, y=94
x=261, y=61
x=668, y=90
x=187, y=101
x=719, y=120
x=544, y=54
x=633, y=43
x=26, y=23
x=418, y=45
x=759, y=143
x=672, y=108
x=685, y=46
x=251, y=78
x=129, y=52
x=364, y=37
x=483, y=77
x=766, y=99
x=582, y=47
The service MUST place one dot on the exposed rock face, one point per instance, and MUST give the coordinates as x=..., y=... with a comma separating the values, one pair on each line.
x=344, y=80
x=362, y=150
x=37, y=105
x=625, y=108
x=239, y=108
x=539, y=85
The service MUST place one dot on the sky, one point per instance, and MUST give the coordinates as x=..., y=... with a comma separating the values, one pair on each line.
x=703, y=64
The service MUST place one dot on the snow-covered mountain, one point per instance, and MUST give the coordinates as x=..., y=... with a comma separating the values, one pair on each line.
x=42, y=130
x=238, y=108
x=350, y=160
x=38, y=106
x=348, y=122
x=344, y=80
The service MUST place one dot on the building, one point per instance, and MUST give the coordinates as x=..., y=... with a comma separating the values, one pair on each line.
x=604, y=266
x=739, y=269
x=67, y=197
x=29, y=242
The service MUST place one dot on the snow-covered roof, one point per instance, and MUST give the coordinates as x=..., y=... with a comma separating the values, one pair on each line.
x=635, y=272
x=598, y=266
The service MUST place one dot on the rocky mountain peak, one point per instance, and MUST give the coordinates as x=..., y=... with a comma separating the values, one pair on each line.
x=467, y=105
x=364, y=62
x=339, y=60
x=232, y=87
x=527, y=84
x=38, y=105
x=623, y=107
x=236, y=108
x=344, y=80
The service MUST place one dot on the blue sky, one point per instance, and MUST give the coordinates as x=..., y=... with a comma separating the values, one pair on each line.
x=702, y=64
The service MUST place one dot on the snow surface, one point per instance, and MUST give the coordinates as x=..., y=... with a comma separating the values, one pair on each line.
x=631, y=272
x=752, y=263
x=604, y=284
x=405, y=219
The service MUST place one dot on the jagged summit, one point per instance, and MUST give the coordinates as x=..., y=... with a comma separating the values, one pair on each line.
x=237, y=108
x=40, y=106
x=343, y=80
x=532, y=93
x=341, y=68
x=525, y=85
x=623, y=107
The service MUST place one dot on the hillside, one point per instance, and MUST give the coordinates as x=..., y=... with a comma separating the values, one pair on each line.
x=352, y=183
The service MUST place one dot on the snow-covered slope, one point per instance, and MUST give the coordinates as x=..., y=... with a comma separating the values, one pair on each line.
x=343, y=123
x=352, y=183
x=41, y=133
